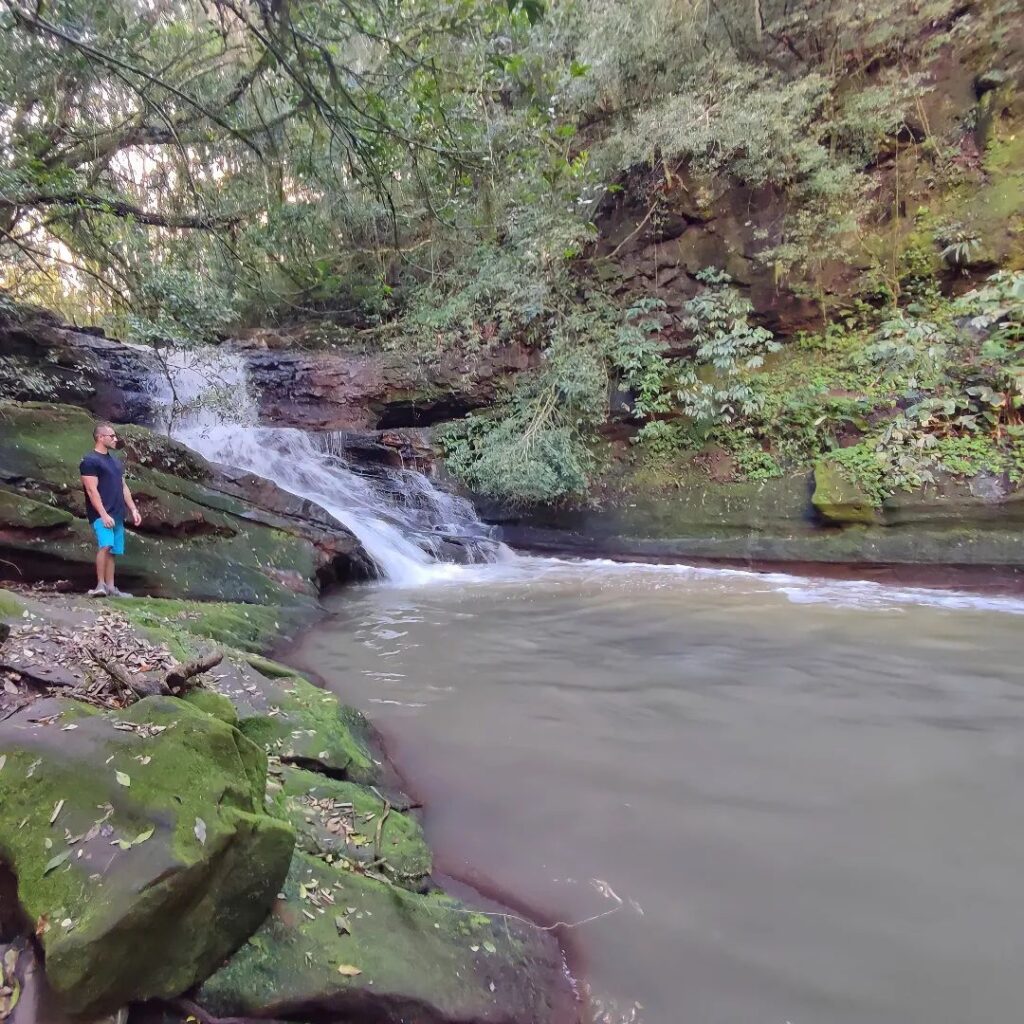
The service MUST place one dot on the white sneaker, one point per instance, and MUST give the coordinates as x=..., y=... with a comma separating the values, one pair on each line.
x=100, y=590
x=114, y=592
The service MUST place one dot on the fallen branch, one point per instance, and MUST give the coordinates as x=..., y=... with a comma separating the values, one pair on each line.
x=138, y=686
x=178, y=677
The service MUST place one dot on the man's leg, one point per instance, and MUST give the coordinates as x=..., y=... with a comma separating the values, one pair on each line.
x=108, y=574
x=104, y=541
x=103, y=560
x=116, y=549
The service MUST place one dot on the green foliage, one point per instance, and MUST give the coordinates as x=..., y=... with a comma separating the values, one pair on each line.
x=734, y=118
x=534, y=446
x=712, y=387
x=715, y=386
x=637, y=353
x=907, y=348
x=292, y=144
x=969, y=455
x=177, y=305
x=863, y=465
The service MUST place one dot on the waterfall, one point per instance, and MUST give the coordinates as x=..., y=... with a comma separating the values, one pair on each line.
x=401, y=519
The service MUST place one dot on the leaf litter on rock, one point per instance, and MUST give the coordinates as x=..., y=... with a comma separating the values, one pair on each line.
x=55, y=862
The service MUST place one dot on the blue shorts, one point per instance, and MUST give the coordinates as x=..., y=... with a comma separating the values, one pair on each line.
x=110, y=538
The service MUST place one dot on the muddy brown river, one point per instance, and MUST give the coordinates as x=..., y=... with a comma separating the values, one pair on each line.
x=775, y=799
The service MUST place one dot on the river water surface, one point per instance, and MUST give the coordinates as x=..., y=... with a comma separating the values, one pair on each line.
x=793, y=801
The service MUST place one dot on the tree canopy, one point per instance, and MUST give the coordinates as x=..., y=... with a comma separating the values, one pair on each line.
x=245, y=139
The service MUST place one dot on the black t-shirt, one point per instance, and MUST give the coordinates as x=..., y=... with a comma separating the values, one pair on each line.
x=109, y=475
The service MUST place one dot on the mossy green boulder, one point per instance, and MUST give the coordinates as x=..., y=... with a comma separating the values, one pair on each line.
x=188, y=626
x=838, y=499
x=212, y=703
x=341, y=946
x=344, y=822
x=139, y=840
x=302, y=724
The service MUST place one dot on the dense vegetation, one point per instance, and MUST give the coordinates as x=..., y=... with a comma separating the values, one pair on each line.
x=460, y=175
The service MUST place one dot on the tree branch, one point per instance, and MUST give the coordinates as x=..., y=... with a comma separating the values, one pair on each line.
x=178, y=677
x=40, y=25
x=126, y=211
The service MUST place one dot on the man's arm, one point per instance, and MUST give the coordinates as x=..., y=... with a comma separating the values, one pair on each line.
x=92, y=492
x=130, y=505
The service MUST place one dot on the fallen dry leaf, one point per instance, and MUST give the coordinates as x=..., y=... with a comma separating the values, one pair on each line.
x=55, y=862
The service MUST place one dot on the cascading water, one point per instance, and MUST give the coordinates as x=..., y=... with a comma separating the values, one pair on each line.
x=399, y=517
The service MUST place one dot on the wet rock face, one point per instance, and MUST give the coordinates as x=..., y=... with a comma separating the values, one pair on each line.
x=801, y=520
x=728, y=227
x=355, y=391
x=44, y=359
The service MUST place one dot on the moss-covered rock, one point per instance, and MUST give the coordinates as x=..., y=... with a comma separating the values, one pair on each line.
x=139, y=842
x=342, y=946
x=184, y=625
x=20, y=513
x=838, y=499
x=970, y=523
x=342, y=821
x=302, y=724
x=212, y=703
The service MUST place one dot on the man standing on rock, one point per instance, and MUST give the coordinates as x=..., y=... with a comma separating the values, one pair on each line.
x=107, y=498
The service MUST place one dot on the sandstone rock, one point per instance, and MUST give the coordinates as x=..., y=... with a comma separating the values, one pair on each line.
x=304, y=725
x=45, y=359
x=838, y=499
x=339, y=820
x=141, y=849
x=342, y=946
x=955, y=530
x=353, y=390
x=724, y=225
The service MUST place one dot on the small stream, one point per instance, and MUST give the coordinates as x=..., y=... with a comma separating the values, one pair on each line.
x=792, y=801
